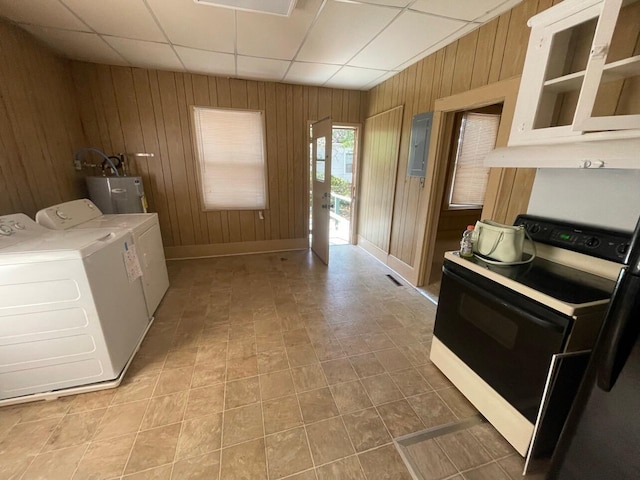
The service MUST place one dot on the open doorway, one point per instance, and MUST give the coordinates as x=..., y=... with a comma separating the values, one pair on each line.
x=474, y=134
x=342, y=205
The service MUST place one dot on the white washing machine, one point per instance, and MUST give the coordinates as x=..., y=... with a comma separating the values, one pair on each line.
x=72, y=309
x=82, y=214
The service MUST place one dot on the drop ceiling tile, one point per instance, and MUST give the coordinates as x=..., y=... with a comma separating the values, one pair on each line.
x=209, y=63
x=198, y=26
x=460, y=9
x=45, y=14
x=110, y=18
x=261, y=68
x=310, y=73
x=146, y=54
x=352, y=77
x=389, y=3
x=410, y=34
x=274, y=36
x=503, y=7
x=342, y=30
x=381, y=79
x=84, y=46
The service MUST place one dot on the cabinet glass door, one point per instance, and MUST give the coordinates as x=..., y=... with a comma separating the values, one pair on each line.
x=610, y=98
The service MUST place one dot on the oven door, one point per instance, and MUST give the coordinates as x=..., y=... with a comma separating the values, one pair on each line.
x=504, y=337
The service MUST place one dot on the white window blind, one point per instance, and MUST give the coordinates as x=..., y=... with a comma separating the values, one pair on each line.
x=230, y=149
x=477, y=138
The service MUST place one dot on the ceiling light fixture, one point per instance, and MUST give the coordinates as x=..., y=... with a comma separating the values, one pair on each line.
x=272, y=7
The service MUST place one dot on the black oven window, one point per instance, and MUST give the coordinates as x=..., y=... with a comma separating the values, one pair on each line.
x=493, y=323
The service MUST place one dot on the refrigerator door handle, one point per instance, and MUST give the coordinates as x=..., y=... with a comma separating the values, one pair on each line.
x=622, y=325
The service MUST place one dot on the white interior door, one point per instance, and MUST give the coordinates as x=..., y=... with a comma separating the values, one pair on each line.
x=321, y=188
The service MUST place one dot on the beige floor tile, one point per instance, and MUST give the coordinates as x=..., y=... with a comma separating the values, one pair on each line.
x=75, y=429
x=355, y=345
x=242, y=392
x=165, y=410
x=433, y=376
x=105, y=459
x=245, y=461
x=317, y=405
x=384, y=463
x=288, y=453
x=208, y=374
x=269, y=341
x=204, y=467
x=366, y=429
x=463, y=449
x=381, y=389
x=410, y=382
x=133, y=389
x=432, y=410
x=308, y=377
x=121, y=419
x=513, y=465
x=159, y=473
x=366, y=365
x=56, y=465
x=281, y=414
x=92, y=401
x=487, y=472
x=300, y=355
x=400, y=418
x=430, y=460
x=26, y=439
x=344, y=469
x=242, y=424
x=272, y=361
x=173, y=380
x=338, y=371
x=183, y=358
x=42, y=410
x=378, y=341
x=15, y=469
x=204, y=401
x=329, y=441
x=242, y=367
x=153, y=448
x=491, y=440
x=200, y=435
x=276, y=384
x=350, y=397
x=212, y=353
x=308, y=475
x=392, y=359
x=328, y=350
x=417, y=353
x=457, y=403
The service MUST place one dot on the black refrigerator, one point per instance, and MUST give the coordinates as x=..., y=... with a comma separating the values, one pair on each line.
x=601, y=438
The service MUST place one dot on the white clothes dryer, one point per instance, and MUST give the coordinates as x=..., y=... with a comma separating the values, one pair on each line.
x=72, y=309
x=82, y=214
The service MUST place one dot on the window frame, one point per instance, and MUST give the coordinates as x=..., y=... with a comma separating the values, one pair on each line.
x=198, y=166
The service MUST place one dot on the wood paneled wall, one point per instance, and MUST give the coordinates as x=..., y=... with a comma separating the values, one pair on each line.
x=39, y=125
x=138, y=110
x=494, y=52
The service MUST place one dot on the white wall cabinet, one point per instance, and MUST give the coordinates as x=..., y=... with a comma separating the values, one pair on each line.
x=581, y=79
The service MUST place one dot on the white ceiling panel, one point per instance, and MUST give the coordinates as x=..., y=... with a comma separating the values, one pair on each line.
x=461, y=9
x=197, y=26
x=503, y=7
x=36, y=12
x=409, y=35
x=342, y=30
x=388, y=3
x=379, y=80
x=146, y=54
x=316, y=73
x=108, y=18
x=77, y=45
x=273, y=36
x=202, y=61
x=261, y=68
x=352, y=77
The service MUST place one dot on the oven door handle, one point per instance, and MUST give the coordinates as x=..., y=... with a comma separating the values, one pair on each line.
x=486, y=293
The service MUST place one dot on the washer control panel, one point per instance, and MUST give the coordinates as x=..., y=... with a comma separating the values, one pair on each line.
x=68, y=215
x=598, y=242
x=16, y=228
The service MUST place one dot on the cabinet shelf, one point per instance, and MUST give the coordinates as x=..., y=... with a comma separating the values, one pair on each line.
x=628, y=67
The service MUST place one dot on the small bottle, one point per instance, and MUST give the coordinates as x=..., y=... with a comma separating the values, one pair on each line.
x=466, y=244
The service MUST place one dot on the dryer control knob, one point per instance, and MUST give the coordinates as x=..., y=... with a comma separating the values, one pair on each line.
x=61, y=214
x=5, y=230
x=19, y=226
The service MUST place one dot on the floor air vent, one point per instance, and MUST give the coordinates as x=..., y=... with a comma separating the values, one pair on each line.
x=390, y=277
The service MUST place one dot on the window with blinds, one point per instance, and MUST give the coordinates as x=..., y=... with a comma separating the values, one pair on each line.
x=478, y=132
x=230, y=148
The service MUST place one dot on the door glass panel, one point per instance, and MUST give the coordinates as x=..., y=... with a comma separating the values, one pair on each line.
x=320, y=158
x=619, y=90
x=564, y=75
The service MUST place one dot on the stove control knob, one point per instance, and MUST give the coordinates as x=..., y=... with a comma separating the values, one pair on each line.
x=592, y=242
x=535, y=228
x=5, y=230
x=622, y=248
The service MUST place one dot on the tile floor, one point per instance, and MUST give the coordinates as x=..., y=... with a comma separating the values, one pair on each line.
x=264, y=367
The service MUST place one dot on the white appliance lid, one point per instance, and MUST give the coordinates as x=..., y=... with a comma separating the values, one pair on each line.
x=68, y=214
x=120, y=220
